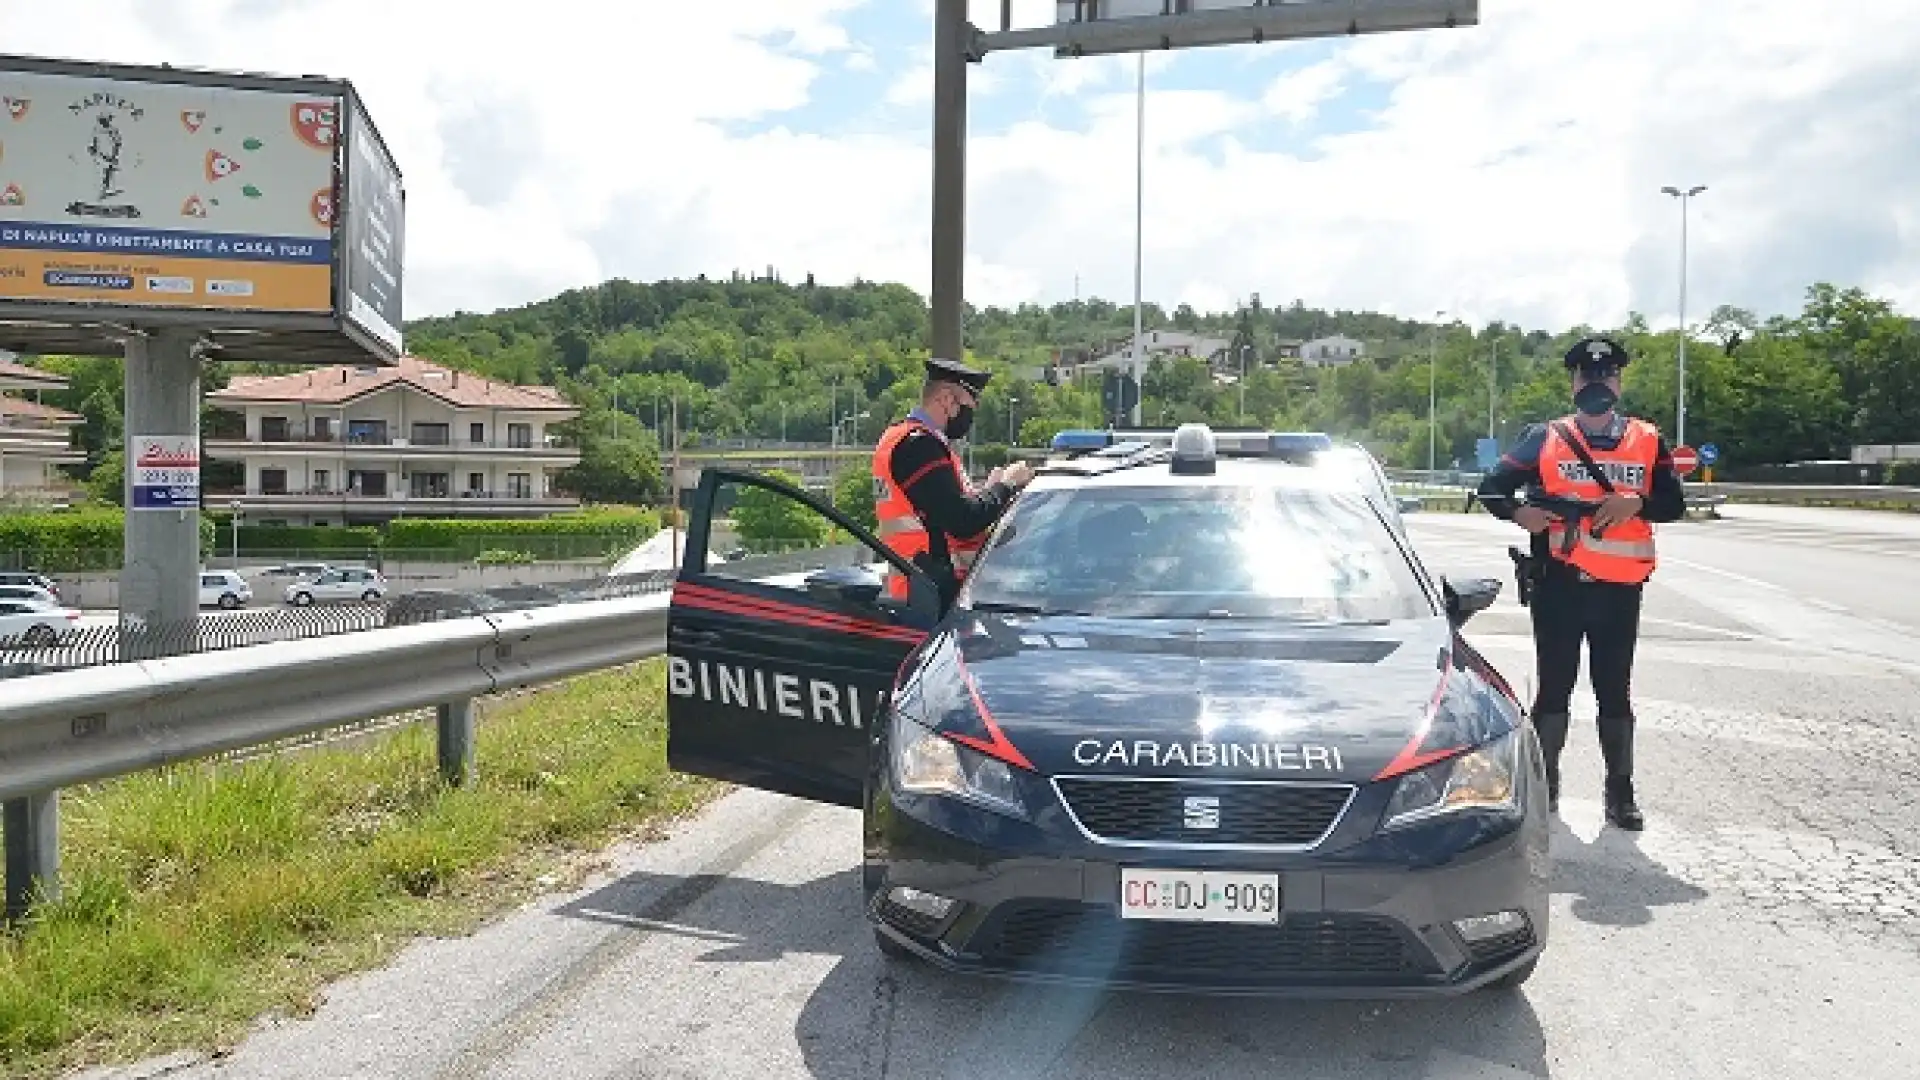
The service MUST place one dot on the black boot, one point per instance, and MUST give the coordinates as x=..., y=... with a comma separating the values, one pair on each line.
x=1616, y=746
x=1552, y=729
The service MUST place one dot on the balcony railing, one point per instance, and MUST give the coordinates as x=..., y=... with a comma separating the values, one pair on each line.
x=549, y=443
x=214, y=495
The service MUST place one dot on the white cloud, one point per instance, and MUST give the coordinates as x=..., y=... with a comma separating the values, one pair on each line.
x=1512, y=171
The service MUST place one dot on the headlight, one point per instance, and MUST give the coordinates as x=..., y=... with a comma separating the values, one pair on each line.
x=930, y=764
x=1485, y=779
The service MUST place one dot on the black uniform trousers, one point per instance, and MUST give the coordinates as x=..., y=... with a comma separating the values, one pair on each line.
x=1606, y=616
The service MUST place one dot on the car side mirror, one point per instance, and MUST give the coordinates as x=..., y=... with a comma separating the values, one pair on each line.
x=858, y=585
x=1469, y=597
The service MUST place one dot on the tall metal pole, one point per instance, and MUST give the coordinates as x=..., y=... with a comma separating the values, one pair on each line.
x=1433, y=360
x=950, y=31
x=1680, y=393
x=1243, y=382
x=1139, y=221
x=1493, y=383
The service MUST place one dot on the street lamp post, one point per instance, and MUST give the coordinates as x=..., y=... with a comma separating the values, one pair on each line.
x=235, y=522
x=1680, y=403
x=1012, y=439
x=1139, y=219
x=1433, y=359
x=1244, y=350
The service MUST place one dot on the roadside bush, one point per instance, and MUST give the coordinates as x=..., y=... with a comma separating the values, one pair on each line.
x=586, y=534
x=500, y=557
x=62, y=540
x=1904, y=473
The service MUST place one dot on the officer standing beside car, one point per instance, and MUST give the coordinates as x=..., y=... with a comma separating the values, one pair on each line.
x=926, y=509
x=1587, y=570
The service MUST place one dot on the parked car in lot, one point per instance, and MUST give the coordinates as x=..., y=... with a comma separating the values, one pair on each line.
x=225, y=589
x=339, y=585
x=32, y=593
x=31, y=580
x=288, y=573
x=35, y=622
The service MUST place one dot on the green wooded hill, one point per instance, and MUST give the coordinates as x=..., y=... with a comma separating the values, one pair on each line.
x=757, y=357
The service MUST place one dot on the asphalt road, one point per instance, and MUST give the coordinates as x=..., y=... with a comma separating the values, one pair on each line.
x=1766, y=924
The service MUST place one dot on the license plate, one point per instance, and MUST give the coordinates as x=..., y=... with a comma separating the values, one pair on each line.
x=1200, y=896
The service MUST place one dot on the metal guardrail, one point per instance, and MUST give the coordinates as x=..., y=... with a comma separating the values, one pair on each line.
x=1819, y=494
x=31, y=653
x=74, y=727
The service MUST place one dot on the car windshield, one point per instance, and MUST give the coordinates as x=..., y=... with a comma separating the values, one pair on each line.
x=1199, y=552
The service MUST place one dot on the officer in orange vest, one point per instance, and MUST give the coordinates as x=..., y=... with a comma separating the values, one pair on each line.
x=1588, y=572
x=926, y=508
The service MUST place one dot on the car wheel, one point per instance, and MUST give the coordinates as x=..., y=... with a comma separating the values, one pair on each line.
x=892, y=949
x=301, y=599
x=1513, y=979
x=41, y=636
x=229, y=601
x=371, y=596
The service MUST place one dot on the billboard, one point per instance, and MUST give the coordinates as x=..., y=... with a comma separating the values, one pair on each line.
x=165, y=195
x=1105, y=27
x=145, y=196
x=374, y=232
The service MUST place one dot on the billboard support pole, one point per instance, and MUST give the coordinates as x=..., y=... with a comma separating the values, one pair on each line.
x=951, y=33
x=160, y=582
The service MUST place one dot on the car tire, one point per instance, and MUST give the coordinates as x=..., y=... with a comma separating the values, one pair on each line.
x=41, y=636
x=301, y=599
x=1512, y=980
x=892, y=949
x=229, y=601
x=371, y=596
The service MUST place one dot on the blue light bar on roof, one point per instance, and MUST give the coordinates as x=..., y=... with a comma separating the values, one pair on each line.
x=1298, y=442
x=1083, y=440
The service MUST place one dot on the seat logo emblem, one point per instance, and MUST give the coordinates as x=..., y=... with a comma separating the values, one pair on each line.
x=1203, y=812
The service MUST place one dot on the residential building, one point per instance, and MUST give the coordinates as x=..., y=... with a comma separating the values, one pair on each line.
x=364, y=445
x=1331, y=351
x=1162, y=343
x=35, y=439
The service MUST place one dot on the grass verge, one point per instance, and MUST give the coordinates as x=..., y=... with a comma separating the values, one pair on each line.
x=201, y=897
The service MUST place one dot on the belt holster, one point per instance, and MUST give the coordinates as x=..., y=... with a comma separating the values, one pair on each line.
x=1528, y=570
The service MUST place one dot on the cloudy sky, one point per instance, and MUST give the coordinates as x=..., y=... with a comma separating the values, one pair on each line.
x=1511, y=170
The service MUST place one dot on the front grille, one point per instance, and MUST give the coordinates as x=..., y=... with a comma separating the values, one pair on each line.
x=1277, y=814
x=1094, y=941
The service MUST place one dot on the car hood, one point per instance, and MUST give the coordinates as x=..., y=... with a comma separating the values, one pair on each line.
x=1224, y=698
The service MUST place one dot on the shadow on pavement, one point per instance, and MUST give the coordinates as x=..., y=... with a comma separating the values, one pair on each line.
x=872, y=1017
x=1612, y=881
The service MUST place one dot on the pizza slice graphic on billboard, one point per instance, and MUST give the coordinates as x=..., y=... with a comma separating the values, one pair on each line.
x=191, y=119
x=13, y=196
x=220, y=166
x=316, y=123
x=193, y=207
x=322, y=207
x=17, y=107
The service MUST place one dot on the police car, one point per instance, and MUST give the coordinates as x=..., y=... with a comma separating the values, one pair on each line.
x=1200, y=720
x=1341, y=457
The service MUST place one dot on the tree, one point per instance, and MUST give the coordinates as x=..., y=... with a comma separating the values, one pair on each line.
x=770, y=523
x=853, y=495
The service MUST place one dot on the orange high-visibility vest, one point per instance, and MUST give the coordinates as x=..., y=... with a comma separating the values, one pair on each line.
x=1625, y=554
x=899, y=524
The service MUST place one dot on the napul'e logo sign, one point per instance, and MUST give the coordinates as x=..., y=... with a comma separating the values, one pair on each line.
x=158, y=455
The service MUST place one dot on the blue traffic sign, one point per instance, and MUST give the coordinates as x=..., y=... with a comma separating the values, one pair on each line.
x=1709, y=453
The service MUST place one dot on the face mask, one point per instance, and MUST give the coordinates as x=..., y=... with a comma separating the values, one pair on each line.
x=1596, y=399
x=961, y=423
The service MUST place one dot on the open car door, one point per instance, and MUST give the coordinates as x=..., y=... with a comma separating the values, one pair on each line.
x=781, y=646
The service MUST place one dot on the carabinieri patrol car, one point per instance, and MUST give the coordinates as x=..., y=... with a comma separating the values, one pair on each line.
x=1200, y=720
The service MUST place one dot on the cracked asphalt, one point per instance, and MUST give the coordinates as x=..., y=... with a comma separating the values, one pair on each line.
x=1767, y=923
